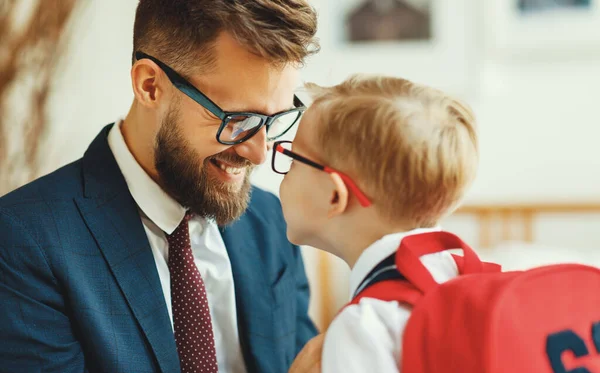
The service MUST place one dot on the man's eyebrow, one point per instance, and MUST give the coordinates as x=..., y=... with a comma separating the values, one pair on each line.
x=259, y=111
x=238, y=110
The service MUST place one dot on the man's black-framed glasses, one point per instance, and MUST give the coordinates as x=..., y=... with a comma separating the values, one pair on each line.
x=283, y=156
x=236, y=127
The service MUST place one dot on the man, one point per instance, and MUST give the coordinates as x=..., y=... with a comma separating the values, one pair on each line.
x=153, y=253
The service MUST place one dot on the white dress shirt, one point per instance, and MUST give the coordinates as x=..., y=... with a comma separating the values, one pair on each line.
x=161, y=214
x=367, y=337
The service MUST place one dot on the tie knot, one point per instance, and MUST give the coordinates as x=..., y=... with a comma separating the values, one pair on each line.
x=181, y=233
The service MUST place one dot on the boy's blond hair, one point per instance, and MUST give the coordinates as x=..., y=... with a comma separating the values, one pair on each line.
x=412, y=149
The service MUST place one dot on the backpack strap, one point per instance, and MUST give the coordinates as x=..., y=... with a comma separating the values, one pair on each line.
x=385, y=270
x=386, y=281
x=487, y=266
x=390, y=290
x=413, y=247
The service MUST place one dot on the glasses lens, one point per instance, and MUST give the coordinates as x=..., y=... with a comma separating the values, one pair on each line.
x=282, y=162
x=282, y=124
x=240, y=127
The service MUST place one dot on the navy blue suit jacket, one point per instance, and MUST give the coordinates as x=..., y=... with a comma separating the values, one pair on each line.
x=80, y=292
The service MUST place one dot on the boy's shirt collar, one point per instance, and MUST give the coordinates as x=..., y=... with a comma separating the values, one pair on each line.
x=377, y=252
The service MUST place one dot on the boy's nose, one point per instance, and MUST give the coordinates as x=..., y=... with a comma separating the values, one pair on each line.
x=254, y=149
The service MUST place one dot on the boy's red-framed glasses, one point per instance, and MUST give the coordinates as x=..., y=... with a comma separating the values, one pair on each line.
x=282, y=161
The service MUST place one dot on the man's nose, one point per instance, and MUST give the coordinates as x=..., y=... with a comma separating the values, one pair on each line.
x=255, y=148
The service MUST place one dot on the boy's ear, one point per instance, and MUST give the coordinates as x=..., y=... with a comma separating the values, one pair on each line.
x=339, y=199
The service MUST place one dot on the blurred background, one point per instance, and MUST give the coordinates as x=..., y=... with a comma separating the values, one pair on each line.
x=529, y=68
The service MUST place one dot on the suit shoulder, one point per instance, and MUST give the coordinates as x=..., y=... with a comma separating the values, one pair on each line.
x=61, y=185
x=265, y=204
x=263, y=197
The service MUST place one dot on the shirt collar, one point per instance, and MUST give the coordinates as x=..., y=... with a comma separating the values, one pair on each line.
x=377, y=252
x=161, y=208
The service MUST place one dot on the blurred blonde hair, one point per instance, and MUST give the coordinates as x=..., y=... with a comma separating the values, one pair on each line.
x=412, y=149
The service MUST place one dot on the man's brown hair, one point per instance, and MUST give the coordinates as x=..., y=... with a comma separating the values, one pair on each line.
x=182, y=32
x=412, y=149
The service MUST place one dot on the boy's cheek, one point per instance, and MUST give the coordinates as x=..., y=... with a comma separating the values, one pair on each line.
x=283, y=189
x=286, y=195
x=290, y=194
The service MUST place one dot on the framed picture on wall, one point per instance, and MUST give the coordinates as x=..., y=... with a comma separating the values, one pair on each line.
x=540, y=6
x=389, y=20
x=532, y=28
x=427, y=41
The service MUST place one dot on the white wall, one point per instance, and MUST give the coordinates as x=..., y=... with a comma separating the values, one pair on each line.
x=538, y=119
x=538, y=114
x=93, y=88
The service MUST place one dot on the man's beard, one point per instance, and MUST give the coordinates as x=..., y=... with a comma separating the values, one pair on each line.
x=185, y=179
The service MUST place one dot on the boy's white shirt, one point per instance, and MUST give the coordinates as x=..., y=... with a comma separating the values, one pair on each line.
x=367, y=337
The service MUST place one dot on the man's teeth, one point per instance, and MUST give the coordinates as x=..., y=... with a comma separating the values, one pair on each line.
x=230, y=170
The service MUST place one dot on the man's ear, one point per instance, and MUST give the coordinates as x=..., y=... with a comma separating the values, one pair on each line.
x=144, y=79
x=339, y=198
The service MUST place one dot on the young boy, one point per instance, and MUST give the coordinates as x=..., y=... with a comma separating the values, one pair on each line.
x=374, y=160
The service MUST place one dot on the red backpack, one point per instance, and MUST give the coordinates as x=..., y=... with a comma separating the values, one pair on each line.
x=541, y=320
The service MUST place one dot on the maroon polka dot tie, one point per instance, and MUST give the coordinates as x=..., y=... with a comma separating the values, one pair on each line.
x=191, y=316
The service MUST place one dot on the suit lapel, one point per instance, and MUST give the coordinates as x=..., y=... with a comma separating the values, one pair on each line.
x=113, y=218
x=252, y=293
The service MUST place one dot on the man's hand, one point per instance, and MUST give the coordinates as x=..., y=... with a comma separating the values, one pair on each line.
x=309, y=359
